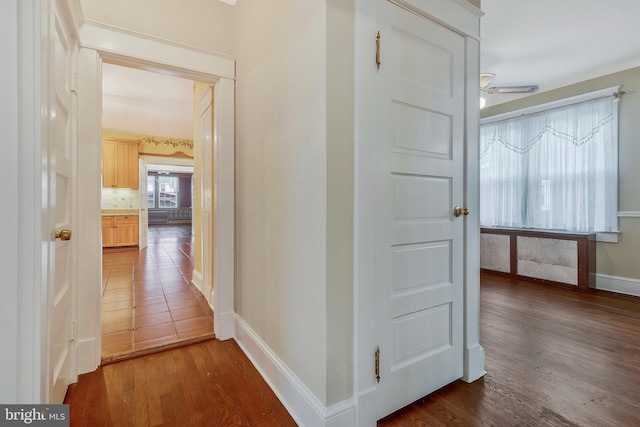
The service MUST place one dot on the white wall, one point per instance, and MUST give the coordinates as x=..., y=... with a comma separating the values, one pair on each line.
x=281, y=158
x=206, y=24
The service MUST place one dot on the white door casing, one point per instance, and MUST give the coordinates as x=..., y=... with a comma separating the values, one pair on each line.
x=61, y=53
x=121, y=47
x=207, y=208
x=144, y=212
x=419, y=180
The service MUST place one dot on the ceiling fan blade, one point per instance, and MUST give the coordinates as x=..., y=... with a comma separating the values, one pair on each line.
x=485, y=79
x=512, y=89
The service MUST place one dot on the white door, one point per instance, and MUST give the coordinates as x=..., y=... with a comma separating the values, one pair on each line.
x=144, y=212
x=62, y=147
x=419, y=242
x=206, y=131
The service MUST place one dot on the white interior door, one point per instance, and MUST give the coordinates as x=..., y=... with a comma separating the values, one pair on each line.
x=419, y=242
x=61, y=326
x=144, y=212
x=206, y=130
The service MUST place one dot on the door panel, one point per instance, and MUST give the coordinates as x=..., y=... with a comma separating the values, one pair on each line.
x=206, y=132
x=419, y=252
x=420, y=131
x=62, y=143
x=144, y=212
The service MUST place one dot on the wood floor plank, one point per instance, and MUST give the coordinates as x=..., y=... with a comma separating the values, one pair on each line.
x=210, y=383
x=554, y=358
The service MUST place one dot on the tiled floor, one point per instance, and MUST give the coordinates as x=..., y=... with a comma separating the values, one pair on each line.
x=147, y=298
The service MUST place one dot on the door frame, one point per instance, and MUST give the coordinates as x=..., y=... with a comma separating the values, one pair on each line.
x=98, y=44
x=464, y=19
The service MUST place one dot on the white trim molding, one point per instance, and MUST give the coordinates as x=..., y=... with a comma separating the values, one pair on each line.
x=224, y=208
x=473, y=357
x=459, y=16
x=629, y=214
x=198, y=63
x=24, y=253
x=196, y=279
x=612, y=236
x=621, y=285
x=608, y=237
x=305, y=408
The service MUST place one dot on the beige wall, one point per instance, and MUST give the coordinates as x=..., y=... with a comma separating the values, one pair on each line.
x=615, y=259
x=295, y=186
x=340, y=197
x=476, y=3
x=281, y=189
x=206, y=24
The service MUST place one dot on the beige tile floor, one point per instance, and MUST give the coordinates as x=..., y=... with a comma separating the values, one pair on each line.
x=147, y=298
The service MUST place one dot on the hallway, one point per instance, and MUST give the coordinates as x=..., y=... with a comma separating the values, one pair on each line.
x=555, y=357
x=148, y=302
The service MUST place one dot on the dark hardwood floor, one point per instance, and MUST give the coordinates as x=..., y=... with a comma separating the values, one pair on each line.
x=554, y=357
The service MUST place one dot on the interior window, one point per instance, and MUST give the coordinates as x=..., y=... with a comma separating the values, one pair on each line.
x=555, y=169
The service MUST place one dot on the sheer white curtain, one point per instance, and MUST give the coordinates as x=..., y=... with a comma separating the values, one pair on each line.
x=556, y=169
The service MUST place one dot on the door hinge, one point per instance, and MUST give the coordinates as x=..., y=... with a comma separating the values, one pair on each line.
x=74, y=83
x=378, y=50
x=377, y=362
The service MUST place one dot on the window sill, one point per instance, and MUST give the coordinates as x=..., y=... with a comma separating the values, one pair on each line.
x=608, y=237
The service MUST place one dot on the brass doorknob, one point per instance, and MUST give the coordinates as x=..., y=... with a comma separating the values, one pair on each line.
x=458, y=211
x=63, y=234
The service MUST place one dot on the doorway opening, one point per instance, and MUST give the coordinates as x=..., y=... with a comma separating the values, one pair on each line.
x=149, y=301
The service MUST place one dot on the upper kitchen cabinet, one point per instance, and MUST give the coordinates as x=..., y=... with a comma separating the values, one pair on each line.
x=119, y=164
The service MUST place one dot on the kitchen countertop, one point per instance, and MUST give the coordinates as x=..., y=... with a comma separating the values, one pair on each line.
x=119, y=212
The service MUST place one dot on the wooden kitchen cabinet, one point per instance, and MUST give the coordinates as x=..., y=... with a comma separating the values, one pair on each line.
x=107, y=232
x=120, y=230
x=120, y=164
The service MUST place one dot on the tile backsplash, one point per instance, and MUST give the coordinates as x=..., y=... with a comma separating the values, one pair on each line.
x=120, y=198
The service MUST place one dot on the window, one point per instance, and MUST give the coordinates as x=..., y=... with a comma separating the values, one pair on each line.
x=168, y=191
x=163, y=191
x=553, y=169
x=151, y=191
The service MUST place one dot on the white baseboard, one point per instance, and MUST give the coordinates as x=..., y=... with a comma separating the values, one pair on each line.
x=474, y=363
x=224, y=324
x=302, y=404
x=197, y=279
x=367, y=408
x=621, y=285
x=88, y=356
x=342, y=414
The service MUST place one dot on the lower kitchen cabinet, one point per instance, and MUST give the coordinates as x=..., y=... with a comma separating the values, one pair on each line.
x=119, y=230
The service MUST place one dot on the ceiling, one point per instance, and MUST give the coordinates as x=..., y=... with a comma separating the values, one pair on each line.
x=550, y=43
x=554, y=43
x=146, y=103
